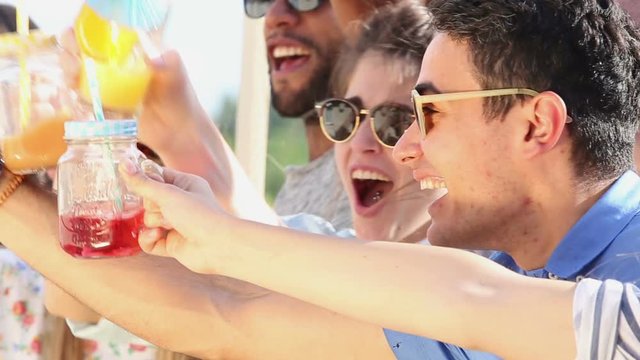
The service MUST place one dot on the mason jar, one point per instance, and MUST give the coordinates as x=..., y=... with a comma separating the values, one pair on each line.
x=98, y=216
x=35, y=101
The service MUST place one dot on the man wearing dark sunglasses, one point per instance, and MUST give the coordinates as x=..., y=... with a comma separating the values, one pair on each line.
x=303, y=39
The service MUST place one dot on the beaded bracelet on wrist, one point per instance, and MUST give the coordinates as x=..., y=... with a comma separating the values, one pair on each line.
x=10, y=185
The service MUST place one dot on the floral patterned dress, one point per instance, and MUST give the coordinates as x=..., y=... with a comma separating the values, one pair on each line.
x=22, y=318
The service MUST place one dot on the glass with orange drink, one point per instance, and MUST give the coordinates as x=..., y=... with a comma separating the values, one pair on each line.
x=116, y=35
x=31, y=138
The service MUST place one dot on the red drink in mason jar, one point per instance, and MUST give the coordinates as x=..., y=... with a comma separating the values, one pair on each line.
x=93, y=236
x=98, y=216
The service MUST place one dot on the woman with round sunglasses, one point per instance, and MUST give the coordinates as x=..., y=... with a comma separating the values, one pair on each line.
x=373, y=78
x=377, y=72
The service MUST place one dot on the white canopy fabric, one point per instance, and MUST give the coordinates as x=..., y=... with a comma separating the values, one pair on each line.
x=252, y=117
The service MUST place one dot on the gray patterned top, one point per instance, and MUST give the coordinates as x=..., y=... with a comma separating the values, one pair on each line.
x=315, y=188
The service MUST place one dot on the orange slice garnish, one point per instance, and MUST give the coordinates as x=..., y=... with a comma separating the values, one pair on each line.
x=102, y=39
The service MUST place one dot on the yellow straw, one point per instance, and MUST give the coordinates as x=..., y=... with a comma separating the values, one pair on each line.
x=22, y=21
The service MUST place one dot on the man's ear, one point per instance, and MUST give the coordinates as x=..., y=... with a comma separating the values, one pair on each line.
x=546, y=123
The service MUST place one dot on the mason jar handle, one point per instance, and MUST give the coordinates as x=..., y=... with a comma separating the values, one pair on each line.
x=152, y=169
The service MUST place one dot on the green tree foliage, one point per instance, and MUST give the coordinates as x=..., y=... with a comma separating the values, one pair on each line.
x=287, y=143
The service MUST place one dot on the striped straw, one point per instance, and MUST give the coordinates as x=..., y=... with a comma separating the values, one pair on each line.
x=22, y=21
x=94, y=88
x=96, y=102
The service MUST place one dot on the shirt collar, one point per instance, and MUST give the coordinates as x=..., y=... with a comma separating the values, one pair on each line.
x=598, y=228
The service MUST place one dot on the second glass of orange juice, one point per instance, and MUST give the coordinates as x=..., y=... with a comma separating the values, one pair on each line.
x=38, y=147
x=32, y=141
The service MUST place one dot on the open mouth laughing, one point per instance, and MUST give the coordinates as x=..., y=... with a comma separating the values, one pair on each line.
x=370, y=186
x=288, y=58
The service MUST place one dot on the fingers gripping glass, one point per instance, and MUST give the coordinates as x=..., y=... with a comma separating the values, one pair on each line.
x=339, y=120
x=256, y=9
x=420, y=102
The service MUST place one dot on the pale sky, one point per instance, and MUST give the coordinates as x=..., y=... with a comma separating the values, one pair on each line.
x=208, y=34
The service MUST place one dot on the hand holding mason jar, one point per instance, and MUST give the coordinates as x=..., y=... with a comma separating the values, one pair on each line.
x=98, y=216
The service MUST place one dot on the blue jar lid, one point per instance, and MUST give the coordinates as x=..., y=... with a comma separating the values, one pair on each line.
x=100, y=129
x=145, y=15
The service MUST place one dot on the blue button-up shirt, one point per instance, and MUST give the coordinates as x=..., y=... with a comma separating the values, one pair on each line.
x=603, y=244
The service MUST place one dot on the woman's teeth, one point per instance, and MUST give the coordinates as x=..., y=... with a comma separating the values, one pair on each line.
x=432, y=184
x=368, y=175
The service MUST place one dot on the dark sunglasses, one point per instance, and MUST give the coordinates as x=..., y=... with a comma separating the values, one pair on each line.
x=256, y=9
x=339, y=120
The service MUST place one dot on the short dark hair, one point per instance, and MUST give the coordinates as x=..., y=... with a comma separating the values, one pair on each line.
x=398, y=31
x=587, y=51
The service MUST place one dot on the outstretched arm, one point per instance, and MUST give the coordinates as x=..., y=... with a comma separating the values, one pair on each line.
x=448, y=294
x=157, y=299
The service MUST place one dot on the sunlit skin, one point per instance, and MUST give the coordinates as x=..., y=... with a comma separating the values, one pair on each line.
x=632, y=7
x=401, y=213
x=311, y=40
x=510, y=181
